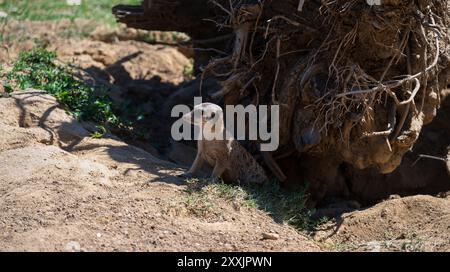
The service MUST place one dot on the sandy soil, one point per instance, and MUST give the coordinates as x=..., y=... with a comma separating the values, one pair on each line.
x=59, y=188
x=417, y=223
x=62, y=190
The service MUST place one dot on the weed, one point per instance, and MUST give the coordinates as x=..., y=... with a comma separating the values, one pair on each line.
x=287, y=206
x=100, y=133
x=200, y=206
x=37, y=69
x=413, y=243
x=188, y=71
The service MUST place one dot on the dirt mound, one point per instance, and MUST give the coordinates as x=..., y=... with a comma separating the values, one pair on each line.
x=63, y=190
x=24, y=35
x=124, y=61
x=139, y=77
x=419, y=223
x=118, y=59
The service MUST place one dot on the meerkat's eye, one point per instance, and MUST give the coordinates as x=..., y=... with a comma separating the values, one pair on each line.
x=213, y=114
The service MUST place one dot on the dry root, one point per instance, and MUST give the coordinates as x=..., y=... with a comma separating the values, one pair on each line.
x=353, y=80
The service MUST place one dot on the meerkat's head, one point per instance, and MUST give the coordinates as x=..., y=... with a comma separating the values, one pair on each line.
x=205, y=113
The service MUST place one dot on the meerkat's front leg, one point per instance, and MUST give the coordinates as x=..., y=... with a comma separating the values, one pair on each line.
x=195, y=168
x=218, y=170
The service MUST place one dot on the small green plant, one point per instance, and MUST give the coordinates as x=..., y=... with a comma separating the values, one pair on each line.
x=228, y=192
x=8, y=87
x=100, y=133
x=37, y=69
x=188, y=71
x=200, y=206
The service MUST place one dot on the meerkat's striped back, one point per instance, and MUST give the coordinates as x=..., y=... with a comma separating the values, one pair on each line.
x=244, y=167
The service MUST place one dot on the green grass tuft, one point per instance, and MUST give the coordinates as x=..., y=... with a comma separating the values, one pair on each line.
x=284, y=206
x=287, y=206
x=37, y=69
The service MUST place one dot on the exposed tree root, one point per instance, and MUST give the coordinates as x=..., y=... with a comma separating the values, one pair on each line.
x=351, y=79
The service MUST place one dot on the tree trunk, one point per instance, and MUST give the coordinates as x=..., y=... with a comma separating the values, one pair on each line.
x=170, y=15
x=180, y=16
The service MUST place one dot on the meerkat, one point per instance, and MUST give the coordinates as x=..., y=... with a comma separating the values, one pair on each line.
x=230, y=161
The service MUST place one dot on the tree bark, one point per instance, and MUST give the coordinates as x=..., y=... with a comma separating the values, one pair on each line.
x=170, y=15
